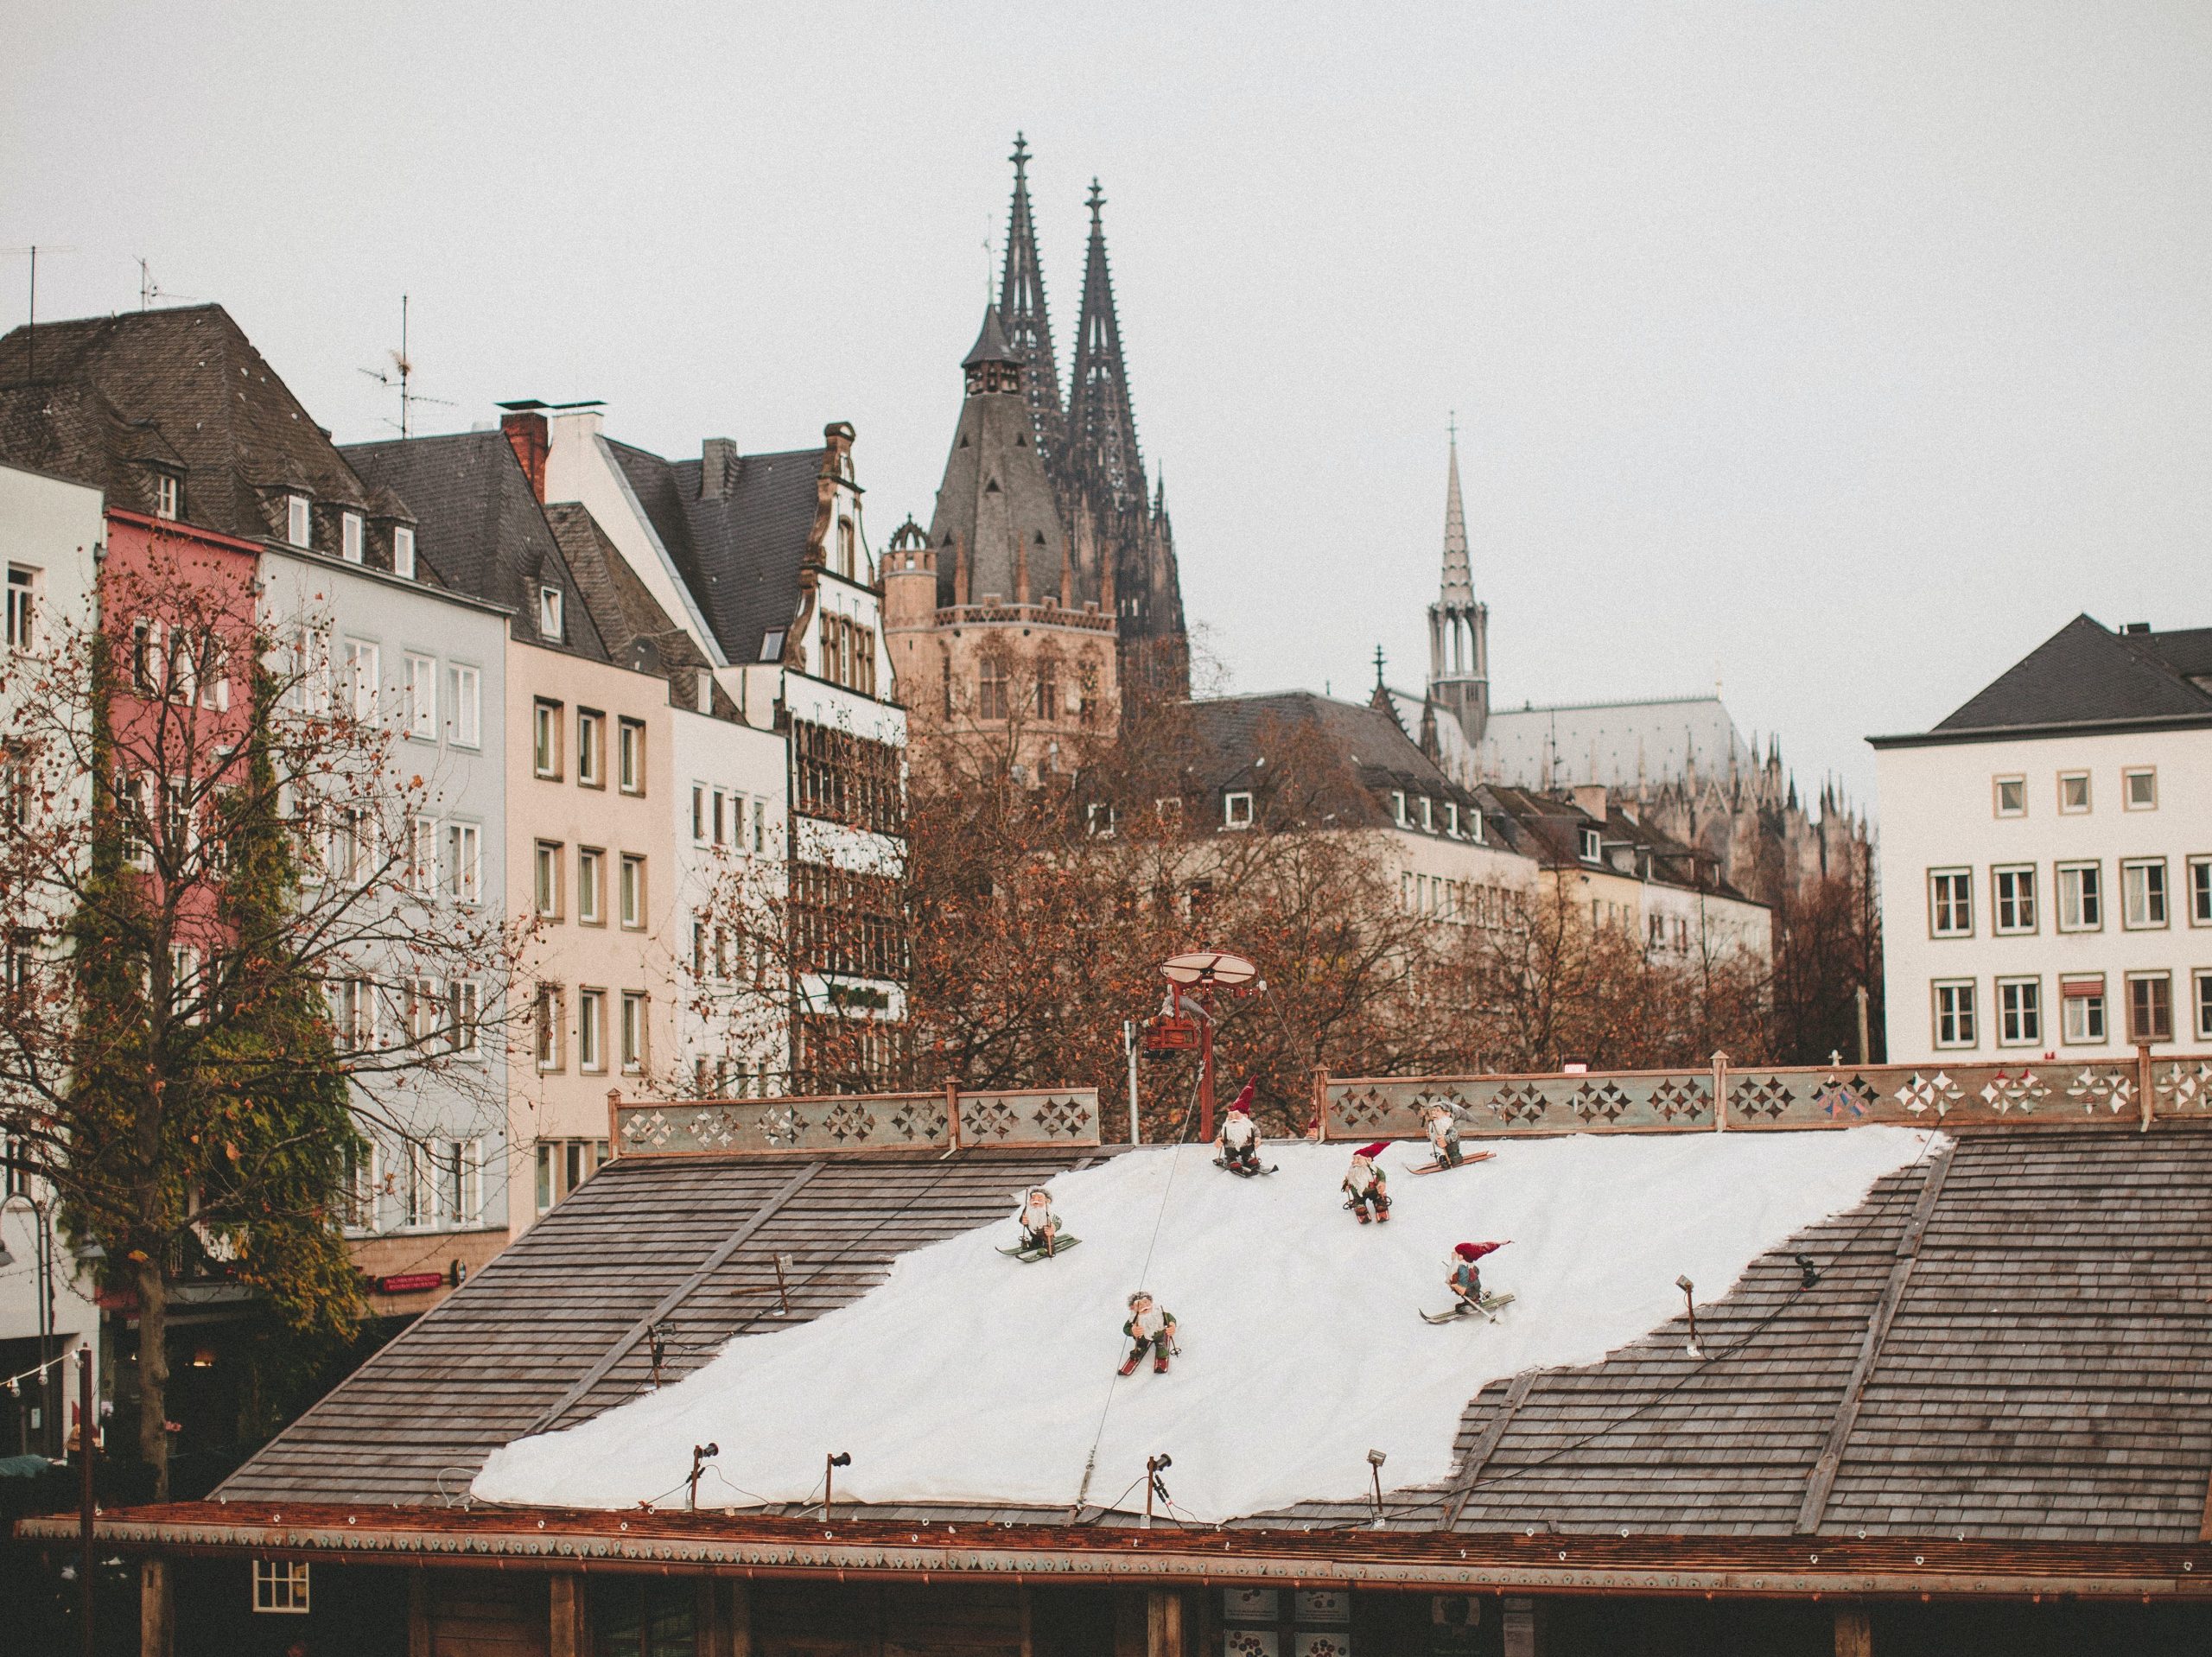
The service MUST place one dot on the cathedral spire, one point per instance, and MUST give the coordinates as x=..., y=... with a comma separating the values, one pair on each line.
x=1101, y=427
x=1458, y=627
x=1458, y=585
x=1022, y=314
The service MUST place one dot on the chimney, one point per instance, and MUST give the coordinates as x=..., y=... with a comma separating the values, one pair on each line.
x=1590, y=797
x=717, y=468
x=525, y=431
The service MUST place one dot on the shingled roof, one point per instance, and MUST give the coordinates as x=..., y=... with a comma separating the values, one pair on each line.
x=1233, y=734
x=2087, y=676
x=740, y=549
x=2008, y=1341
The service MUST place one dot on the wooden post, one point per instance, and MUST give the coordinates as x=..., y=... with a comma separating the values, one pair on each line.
x=418, y=1613
x=707, y=1613
x=1854, y=1635
x=1163, y=1622
x=952, y=1111
x=1206, y=1079
x=564, y=1629
x=154, y=1626
x=1320, y=1104
x=2143, y=1081
x=1720, y=1093
x=1866, y=1052
x=1028, y=1632
x=613, y=1123
x=740, y=1625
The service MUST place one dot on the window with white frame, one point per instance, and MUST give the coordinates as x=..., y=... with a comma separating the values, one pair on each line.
x=422, y=1011
x=546, y=1021
x=545, y=739
x=421, y=1194
x=23, y=607
x=349, y=538
x=1237, y=809
x=402, y=552
x=591, y=885
x=591, y=749
x=630, y=756
x=422, y=698
x=2081, y=897
x=2073, y=791
x=465, y=710
x=363, y=1186
x=2143, y=893
x=633, y=1030
x=169, y=495
x=2138, y=788
x=2012, y=796
x=2203, y=1000
x=464, y=861
x=357, y=1012
x=1451, y=818
x=2150, y=1006
x=365, y=675
x=698, y=814
x=546, y=888
x=295, y=520
x=422, y=854
x=1950, y=903
x=633, y=891
x=2019, y=1012
x=460, y=1182
x=281, y=1586
x=1590, y=845
x=2013, y=893
x=549, y=612
x=761, y=824
x=1955, y=1011
x=2082, y=1009
x=465, y=1008
x=2200, y=892
x=1428, y=814
x=1398, y=807
x=591, y=1030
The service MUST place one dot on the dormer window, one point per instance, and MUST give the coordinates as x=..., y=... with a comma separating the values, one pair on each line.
x=1237, y=810
x=296, y=519
x=1451, y=818
x=548, y=612
x=169, y=495
x=1398, y=807
x=402, y=552
x=1589, y=845
x=349, y=538
x=1428, y=814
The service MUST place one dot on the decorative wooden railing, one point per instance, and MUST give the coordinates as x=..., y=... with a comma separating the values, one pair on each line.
x=945, y=1120
x=2127, y=1093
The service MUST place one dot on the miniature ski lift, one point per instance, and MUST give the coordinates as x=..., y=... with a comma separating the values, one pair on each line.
x=1198, y=975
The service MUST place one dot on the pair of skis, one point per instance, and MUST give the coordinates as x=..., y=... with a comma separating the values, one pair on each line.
x=1488, y=1306
x=1463, y=1162
x=1030, y=1254
x=1242, y=1171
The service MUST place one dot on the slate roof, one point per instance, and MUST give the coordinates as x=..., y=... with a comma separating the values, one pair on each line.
x=109, y=400
x=480, y=530
x=995, y=502
x=630, y=619
x=2087, y=674
x=739, y=552
x=2006, y=1340
x=1231, y=735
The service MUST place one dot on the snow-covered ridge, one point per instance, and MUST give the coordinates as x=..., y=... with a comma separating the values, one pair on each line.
x=969, y=1377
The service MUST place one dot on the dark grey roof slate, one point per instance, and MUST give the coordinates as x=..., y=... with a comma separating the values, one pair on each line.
x=2084, y=674
x=1234, y=733
x=2188, y=650
x=2047, y=1374
x=99, y=399
x=990, y=345
x=480, y=530
x=627, y=614
x=738, y=553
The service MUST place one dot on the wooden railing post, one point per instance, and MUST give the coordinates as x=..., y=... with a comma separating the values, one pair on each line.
x=952, y=1110
x=1719, y=1093
x=1318, y=1127
x=2143, y=1079
x=613, y=1123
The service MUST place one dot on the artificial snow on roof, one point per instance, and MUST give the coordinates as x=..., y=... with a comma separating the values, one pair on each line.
x=969, y=1377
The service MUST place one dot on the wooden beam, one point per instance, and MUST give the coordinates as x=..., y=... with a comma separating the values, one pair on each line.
x=1854, y=1633
x=1516, y=1393
x=418, y=1612
x=1814, y=1508
x=564, y=1620
x=740, y=1625
x=1163, y=1622
x=669, y=1302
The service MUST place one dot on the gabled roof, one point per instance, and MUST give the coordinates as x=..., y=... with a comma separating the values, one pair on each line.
x=739, y=551
x=630, y=619
x=2004, y=1340
x=480, y=530
x=107, y=400
x=1233, y=734
x=2084, y=676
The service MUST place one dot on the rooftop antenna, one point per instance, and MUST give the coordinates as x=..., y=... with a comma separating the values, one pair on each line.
x=1378, y=667
x=402, y=374
x=31, y=339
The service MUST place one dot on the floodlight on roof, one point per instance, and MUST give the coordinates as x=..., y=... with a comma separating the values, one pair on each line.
x=1689, y=1300
x=830, y=1465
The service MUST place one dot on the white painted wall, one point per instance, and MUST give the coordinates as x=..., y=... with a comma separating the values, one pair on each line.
x=1939, y=812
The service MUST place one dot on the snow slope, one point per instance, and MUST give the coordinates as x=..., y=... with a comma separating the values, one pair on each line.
x=968, y=1376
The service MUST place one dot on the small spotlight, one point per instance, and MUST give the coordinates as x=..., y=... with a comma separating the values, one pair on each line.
x=842, y=1458
x=1808, y=1274
x=1375, y=1458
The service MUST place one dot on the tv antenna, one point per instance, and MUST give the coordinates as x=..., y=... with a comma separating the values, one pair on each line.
x=401, y=374
x=150, y=288
x=31, y=339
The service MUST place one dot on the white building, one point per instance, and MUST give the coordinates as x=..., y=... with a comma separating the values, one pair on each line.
x=2047, y=856
x=50, y=533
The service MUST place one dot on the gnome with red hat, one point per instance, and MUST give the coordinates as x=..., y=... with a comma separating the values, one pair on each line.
x=1365, y=1185
x=1239, y=1138
x=1467, y=1278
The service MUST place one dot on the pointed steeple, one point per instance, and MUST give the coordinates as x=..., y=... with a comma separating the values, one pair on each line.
x=1021, y=312
x=1101, y=428
x=1458, y=585
x=1458, y=627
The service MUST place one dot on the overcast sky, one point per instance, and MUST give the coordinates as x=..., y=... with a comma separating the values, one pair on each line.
x=1841, y=352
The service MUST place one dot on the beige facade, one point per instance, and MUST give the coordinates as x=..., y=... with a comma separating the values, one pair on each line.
x=591, y=861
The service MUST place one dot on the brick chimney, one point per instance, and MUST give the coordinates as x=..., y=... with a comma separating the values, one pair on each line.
x=525, y=431
x=717, y=468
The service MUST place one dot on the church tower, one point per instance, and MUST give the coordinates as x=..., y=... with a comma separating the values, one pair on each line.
x=1458, y=627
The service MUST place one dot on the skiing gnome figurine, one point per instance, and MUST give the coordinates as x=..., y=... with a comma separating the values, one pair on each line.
x=1040, y=1227
x=1443, y=1135
x=1239, y=1138
x=1467, y=1278
x=1366, y=1184
x=1149, y=1326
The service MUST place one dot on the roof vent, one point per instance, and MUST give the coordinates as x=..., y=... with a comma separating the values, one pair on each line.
x=2136, y=627
x=717, y=466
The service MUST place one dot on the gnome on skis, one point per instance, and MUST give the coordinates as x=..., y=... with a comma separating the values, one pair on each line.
x=1150, y=1328
x=1467, y=1279
x=1365, y=1184
x=1443, y=1130
x=1239, y=1138
x=1040, y=1227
